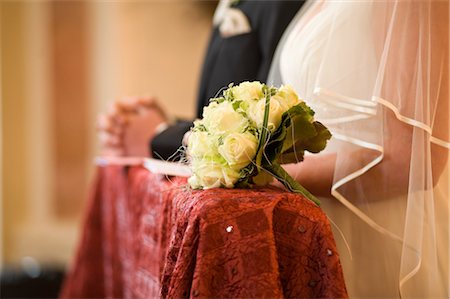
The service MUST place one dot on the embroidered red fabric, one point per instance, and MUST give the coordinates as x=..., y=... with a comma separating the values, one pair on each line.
x=145, y=236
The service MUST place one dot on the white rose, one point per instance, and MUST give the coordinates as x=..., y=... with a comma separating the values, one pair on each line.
x=239, y=149
x=210, y=174
x=201, y=144
x=248, y=91
x=222, y=119
x=230, y=176
x=208, y=110
x=276, y=110
x=287, y=96
x=194, y=183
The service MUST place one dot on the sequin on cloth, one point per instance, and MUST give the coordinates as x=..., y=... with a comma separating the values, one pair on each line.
x=146, y=237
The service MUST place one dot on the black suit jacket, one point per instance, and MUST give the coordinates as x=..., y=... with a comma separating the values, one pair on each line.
x=243, y=57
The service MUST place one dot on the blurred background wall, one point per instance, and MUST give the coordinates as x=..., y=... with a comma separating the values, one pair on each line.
x=62, y=63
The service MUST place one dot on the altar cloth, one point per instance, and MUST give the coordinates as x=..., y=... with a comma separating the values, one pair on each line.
x=147, y=236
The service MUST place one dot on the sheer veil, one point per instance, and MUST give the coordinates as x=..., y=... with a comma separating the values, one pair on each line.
x=377, y=74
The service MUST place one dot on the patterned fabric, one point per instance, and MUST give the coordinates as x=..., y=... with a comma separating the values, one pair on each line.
x=145, y=236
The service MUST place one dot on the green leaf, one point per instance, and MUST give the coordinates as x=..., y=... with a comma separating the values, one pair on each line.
x=291, y=157
x=246, y=173
x=228, y=93
x=301, y=128
x=218, y=100
x=297, y=132
x=313, y=144
x=316, y=143
x=298, y=125
x=199, y=127
x=295, y=123
x=236, y=105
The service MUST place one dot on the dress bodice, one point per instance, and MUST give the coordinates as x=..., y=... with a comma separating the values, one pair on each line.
x=376, y=73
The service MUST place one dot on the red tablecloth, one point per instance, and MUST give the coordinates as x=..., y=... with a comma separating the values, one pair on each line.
x=146, y=237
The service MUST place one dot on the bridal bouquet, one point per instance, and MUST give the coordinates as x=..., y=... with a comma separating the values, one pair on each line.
x=247, y=133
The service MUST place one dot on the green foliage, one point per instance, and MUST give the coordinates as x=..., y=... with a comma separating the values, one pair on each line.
x=228, y=93
x=218, y=100
x=297, y=132
x=236, y=105
x=198, y=127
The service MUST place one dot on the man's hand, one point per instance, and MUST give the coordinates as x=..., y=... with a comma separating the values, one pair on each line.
x=127, y=128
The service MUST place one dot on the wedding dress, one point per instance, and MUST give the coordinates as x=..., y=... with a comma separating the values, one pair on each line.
x=376, y=73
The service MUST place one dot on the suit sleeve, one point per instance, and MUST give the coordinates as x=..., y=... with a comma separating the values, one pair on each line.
x=167, y=144
x=272, y=21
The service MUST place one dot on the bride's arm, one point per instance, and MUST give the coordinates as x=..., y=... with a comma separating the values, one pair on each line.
x=422, y=83
x=315, y=173
x=417, y=77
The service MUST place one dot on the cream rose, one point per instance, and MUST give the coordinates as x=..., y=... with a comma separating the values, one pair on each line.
x=210, y=174
x=222, y=119
x=276, y=110
x=248, y=91
x=239, y=149
x=230, y=176
x=287, y=96
x=202, y=144
x=194, y=183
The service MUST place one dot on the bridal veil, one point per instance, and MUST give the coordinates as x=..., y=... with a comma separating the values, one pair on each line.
x=377, y=74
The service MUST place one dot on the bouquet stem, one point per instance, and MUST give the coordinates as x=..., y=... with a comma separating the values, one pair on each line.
x=283, y=177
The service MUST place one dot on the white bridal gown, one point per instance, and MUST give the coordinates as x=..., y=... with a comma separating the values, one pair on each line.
x=376, y=73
